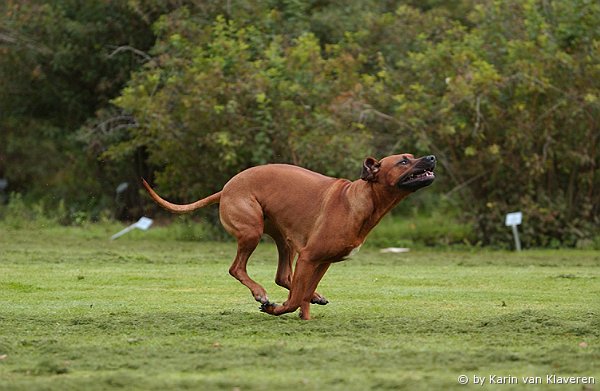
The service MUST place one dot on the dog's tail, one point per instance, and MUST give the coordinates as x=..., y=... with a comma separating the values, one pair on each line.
x=185, y=208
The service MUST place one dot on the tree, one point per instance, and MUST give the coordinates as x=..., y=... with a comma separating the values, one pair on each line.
x=218, y=100
x=511, y=108
x=60, y=62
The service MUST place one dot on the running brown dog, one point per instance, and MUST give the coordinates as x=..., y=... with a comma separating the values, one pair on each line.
x=322, y=219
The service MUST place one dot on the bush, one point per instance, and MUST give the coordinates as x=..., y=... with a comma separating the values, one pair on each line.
x=20, y=213
x=413, y=225
x=17, y=214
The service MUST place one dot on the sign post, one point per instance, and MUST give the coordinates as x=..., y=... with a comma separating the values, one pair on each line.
x=512, y=220
x=143, y=223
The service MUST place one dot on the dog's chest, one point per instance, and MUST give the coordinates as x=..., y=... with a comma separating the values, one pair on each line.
x=352, y=252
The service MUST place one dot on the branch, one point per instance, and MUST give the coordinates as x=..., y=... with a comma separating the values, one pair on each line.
x=7, y=38
x=127, y=48
x=122, y=121
x=478, y=117
x=465, y=183
x=12, y=38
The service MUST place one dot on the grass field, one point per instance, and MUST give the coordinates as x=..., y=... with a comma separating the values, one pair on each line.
x=78, y=312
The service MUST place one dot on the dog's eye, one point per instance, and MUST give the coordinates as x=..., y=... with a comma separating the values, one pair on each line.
x=404, y=161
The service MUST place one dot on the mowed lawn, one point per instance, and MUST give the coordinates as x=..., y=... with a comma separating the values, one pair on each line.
x=79, y=312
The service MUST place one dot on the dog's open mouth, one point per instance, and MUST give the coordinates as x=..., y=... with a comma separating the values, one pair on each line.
x=418, y=176
x=417, y=179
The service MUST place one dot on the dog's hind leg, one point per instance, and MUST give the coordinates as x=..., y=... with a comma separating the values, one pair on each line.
x=246, y=224
x=238, y=268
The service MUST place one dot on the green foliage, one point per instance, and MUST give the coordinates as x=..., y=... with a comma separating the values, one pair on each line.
x=236, y=98
x=437, y=230
x=511, y=107
x=59, y=62
x=20, y=213
x=17, y=215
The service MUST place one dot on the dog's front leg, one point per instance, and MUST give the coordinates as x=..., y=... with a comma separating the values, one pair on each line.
x=310, y=293
x=307, y=276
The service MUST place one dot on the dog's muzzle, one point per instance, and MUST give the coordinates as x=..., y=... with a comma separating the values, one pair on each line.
x=421, y=174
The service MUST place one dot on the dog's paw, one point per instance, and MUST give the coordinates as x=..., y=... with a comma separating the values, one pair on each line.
x=262, y=299
x=267, y=307
x=321, y=300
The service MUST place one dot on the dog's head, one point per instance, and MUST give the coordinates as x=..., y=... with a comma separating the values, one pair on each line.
x=403, y=171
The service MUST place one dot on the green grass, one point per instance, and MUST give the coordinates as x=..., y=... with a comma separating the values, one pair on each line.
x=80, y=312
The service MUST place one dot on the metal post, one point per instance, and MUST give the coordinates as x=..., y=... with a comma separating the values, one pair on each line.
x=516, y=235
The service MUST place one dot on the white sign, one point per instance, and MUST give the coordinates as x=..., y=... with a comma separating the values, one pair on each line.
x=143, y=223
x=514, y=218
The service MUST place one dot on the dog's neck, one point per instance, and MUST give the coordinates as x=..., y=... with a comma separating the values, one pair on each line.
x=371, y=201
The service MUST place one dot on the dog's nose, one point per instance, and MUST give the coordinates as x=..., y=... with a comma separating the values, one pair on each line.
x=430, y=161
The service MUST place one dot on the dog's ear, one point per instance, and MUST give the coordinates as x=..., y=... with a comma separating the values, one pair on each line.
x=370, y=169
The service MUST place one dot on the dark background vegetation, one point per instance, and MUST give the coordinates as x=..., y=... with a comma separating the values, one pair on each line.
x=188, y=93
